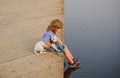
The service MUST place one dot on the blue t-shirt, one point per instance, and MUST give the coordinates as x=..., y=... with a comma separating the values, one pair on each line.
x=47, y=35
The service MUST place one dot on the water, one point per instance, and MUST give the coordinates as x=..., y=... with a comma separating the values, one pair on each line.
x=92, y=35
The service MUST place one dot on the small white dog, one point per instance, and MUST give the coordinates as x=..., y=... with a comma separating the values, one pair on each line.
x=39, y=48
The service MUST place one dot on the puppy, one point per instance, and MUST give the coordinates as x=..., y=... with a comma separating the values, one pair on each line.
x=39, y=48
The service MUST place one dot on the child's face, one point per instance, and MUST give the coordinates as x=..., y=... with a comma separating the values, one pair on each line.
x=58, y=30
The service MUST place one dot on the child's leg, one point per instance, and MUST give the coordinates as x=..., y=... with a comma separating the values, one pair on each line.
x=64, y=48
x=70, y=60
x=69, y=53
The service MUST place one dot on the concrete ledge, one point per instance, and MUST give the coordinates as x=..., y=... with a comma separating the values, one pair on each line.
x=43, y=66
x=22, y=23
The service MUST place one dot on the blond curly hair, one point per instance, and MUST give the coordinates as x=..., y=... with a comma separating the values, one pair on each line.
x=54, y=25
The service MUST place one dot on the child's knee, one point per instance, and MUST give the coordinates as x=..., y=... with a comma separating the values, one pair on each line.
x=65, y=46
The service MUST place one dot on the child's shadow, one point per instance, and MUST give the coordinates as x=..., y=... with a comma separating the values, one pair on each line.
x=68, y=72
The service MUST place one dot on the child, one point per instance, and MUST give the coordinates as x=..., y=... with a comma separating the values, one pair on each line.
x=54, y=27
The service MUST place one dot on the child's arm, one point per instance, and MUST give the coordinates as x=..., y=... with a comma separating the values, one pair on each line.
x=55, y=47
x=48, y=43
x=51, y=45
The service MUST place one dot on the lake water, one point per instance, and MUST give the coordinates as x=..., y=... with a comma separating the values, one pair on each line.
x=92, y=33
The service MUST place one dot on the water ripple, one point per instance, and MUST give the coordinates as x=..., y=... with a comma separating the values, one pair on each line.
x=88, y=68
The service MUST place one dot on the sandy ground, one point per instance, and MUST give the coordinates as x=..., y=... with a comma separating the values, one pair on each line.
x=22, y=23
